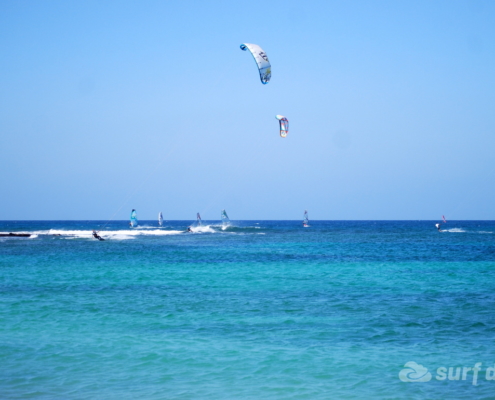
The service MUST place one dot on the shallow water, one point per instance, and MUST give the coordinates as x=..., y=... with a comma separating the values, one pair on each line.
x=261, y=309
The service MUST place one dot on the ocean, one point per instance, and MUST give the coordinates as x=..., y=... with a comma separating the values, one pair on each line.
x=256, y=310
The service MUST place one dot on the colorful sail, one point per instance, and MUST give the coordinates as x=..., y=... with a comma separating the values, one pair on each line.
x=444, y=220
x=160, y=218
x=264, y=67
x=225, y=218
x=306, y=219
x=134, y=221
x=284, y=125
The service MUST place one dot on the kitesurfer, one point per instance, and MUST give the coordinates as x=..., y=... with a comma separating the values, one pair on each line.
x=438, y=227
x=189, y=229
x=96, y=236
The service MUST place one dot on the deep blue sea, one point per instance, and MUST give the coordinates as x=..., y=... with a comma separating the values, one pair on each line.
x=258, y=310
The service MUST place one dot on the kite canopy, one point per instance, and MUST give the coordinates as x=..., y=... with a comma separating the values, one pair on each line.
x=261, y=59
x=284, y=125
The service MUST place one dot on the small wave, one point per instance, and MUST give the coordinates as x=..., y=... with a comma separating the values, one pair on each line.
x=148, y=227
x=454, y=230
x=232, y=227
x=123, y=234
x=220, y=226
x=121, y=237
x=202, y=229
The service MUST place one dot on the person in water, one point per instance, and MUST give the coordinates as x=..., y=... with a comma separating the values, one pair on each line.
x=189, y=229
x=438, y=227
x=96, y=236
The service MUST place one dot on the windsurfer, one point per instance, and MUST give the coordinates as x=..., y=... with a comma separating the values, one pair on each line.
x=438, y=227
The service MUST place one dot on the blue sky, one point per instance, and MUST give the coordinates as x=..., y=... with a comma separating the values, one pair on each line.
x=109, y=106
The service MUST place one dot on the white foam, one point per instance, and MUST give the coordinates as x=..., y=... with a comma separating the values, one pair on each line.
x=202, y=229
x=123, y=234
x=133, y=233
x=148, y=227
x=120, y=237
x=454, y=230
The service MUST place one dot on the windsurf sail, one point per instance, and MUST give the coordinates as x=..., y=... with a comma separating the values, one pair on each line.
x=160, y=218
x=225, y=218
x=264, y=66
x=284, y=125
x=134, y=221
x=306, y=219
x=444, y=220
x=198, y=219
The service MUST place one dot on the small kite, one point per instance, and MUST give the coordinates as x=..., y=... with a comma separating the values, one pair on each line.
x=284, y=125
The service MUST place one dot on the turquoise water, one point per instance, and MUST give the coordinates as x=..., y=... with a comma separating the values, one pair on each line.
x=262, y=309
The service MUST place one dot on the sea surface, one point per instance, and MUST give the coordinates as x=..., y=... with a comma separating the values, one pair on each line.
x=254, y=310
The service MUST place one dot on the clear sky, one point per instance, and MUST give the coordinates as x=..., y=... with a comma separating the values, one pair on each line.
x=107, y=106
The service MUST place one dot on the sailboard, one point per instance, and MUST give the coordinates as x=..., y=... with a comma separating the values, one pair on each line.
x=134, y=221
x=160, y=218
x=225, y=218
x=306, y=219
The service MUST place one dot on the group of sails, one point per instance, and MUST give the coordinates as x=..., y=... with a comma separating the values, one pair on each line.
x=133, y=220
x=199, y=222
x=226, y=220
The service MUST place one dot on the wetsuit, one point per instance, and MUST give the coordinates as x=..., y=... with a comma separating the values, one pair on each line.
x=96, y=236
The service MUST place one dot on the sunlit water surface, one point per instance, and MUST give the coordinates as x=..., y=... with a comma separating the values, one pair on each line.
x=256, y=310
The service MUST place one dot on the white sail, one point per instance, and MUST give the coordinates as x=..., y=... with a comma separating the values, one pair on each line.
x=306, y=219
x=160, y=218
